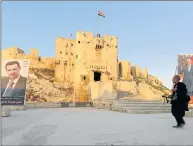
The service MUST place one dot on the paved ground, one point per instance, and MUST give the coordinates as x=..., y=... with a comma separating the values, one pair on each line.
x=88, y=126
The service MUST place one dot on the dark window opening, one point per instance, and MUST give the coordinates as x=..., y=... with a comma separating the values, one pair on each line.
x=66, y=53
x=97, y=76
x=120, y=70
x=115, y=46
x=57, y=61
x=97, y=46
x=83, y=78
x=88, y=42
x=76, y=56
x=39, y=58
x=72, y=54
x=98, y=35
x=71, y=44
x=60, y=52
x=72, y=64
x=79, y=42
x=66, y=45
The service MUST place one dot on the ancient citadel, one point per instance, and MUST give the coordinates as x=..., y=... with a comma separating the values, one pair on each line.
x=86, y=59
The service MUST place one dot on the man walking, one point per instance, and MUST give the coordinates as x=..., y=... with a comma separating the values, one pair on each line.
x=179, y=101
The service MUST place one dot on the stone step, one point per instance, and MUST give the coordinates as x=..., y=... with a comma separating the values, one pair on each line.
x=125, y=110
x=134, y=107
x=151, y=109
x=134, y=102
x=141, y=107
x=145, y=105
x=149, y=112
x=146, y=108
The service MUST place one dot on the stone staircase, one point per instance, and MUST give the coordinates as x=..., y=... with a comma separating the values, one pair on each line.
x=141, y=107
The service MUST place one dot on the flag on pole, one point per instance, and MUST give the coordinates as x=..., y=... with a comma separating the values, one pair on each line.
x=101, y=14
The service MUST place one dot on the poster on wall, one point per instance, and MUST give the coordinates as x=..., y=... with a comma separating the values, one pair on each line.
x=13, y=81
x=185, y=70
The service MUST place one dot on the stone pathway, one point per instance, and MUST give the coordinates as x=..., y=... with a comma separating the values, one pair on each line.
x=87, y=126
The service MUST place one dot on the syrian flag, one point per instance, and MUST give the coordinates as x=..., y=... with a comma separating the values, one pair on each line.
x=101, y=14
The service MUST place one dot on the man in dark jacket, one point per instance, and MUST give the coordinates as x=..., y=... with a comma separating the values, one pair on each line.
x=188, y=76
x=179, y=101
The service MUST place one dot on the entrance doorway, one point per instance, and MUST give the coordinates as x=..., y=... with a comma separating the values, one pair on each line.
x=120, y=70
x=97, y=76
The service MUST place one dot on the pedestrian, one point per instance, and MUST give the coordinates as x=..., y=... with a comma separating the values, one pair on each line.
x=179, y=101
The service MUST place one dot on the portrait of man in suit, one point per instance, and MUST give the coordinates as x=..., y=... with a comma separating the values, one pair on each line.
x=188, y=76
x=14, y=85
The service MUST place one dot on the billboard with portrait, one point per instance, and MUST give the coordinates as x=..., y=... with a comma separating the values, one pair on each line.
x=185, y=70
x=13, y=81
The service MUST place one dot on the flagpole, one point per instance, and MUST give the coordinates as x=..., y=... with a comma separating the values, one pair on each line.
x=176, y=70
x=97, y=23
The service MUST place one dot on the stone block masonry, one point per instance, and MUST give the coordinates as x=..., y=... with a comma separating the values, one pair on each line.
x=35, y=60
x=73, y=56
x=86, y=58
x=5, y=111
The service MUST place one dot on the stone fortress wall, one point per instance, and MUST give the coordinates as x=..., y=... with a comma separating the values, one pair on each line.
x=127, y=71
x=35, y=60
x=80, y=60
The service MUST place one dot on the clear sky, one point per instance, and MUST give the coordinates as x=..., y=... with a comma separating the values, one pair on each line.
x=151, y=34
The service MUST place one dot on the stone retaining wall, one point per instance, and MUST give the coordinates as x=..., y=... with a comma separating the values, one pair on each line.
x=189, y=113
x=5, y=111
x=57, y=105
x=103, y=104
